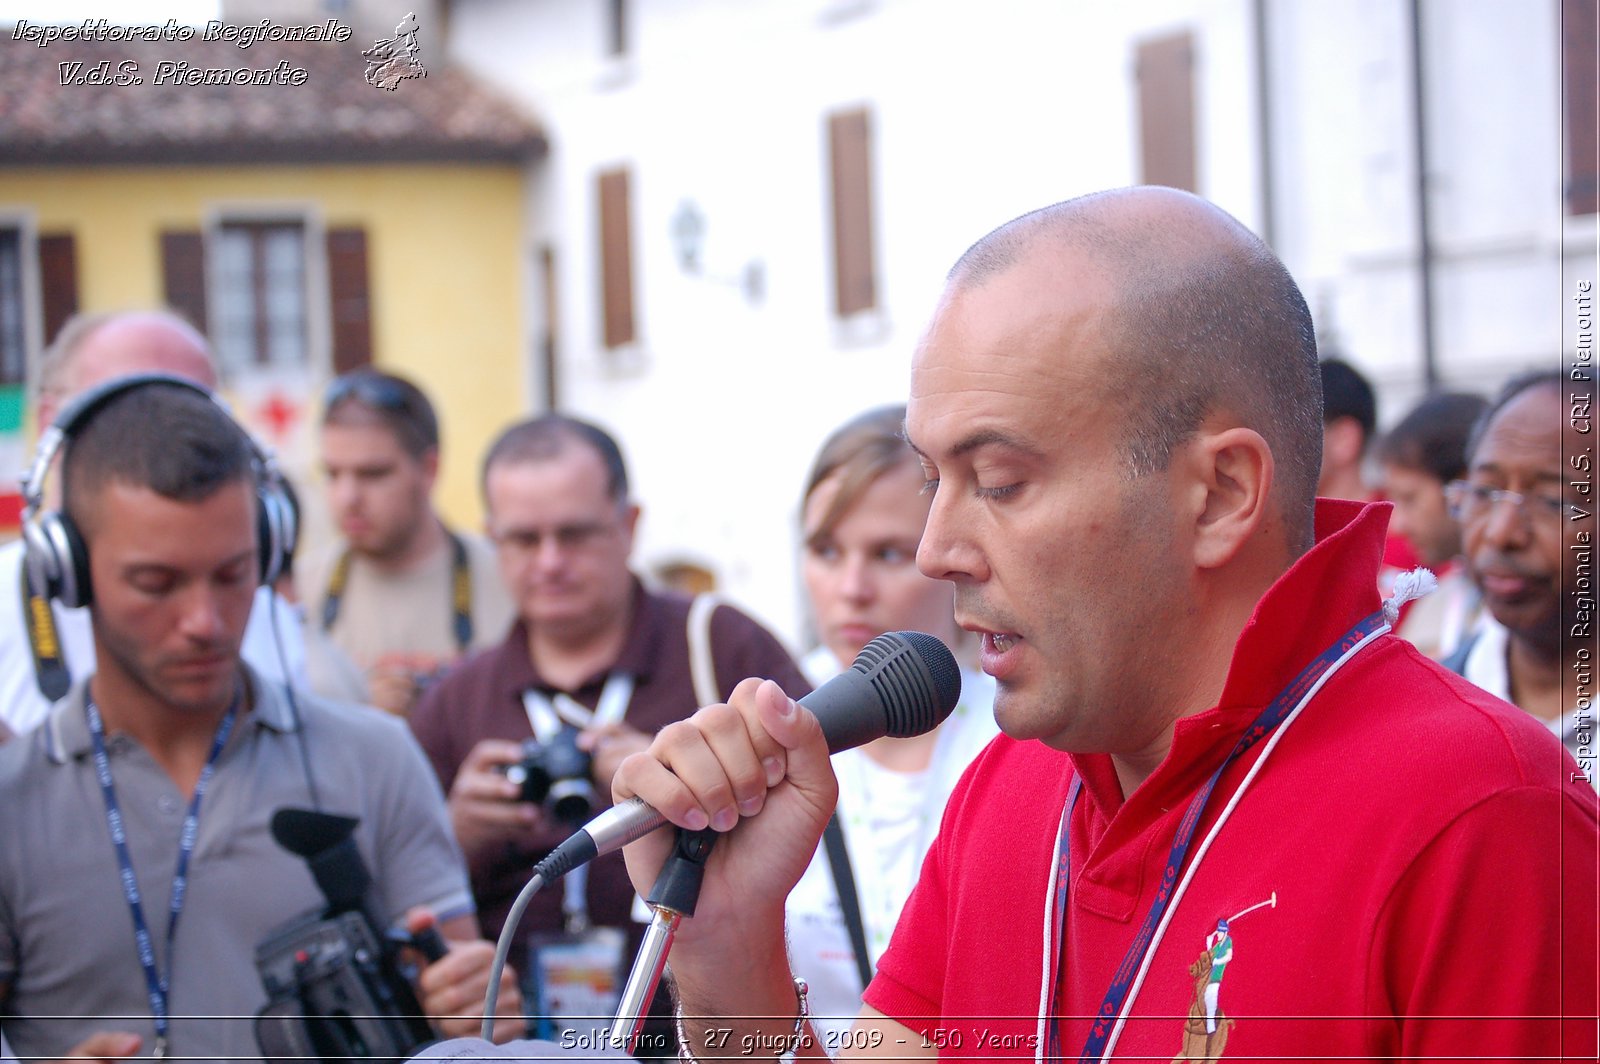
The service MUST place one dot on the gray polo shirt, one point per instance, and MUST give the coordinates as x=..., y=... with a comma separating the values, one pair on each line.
x=66, y=936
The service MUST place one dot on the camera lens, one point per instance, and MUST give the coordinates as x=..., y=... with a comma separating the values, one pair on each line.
x=530, y=775
x=571, y=801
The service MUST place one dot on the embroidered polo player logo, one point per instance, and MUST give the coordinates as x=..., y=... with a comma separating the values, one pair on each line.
x=1205, y=1031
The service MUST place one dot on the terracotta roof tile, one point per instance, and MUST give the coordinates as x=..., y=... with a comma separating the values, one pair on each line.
x=333, y=116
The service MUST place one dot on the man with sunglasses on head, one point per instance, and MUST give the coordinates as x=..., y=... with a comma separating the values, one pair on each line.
x=595, y=663
x=1529, y=544
x=401, y=596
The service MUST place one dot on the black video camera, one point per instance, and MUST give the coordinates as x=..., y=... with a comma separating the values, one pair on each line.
x=336, y=988
x=555, y=775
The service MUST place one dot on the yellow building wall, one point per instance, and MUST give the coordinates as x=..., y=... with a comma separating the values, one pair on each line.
x=446, y=275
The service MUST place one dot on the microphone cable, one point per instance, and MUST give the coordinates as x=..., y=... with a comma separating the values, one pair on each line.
x=502, y=950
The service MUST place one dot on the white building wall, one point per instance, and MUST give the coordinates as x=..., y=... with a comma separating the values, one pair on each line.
x=979, y=113
x=1345, y=166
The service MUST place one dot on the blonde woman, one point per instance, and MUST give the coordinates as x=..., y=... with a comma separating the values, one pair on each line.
x=862, y=518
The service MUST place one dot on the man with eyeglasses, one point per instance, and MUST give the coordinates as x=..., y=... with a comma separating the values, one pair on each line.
x=1528, y=530
x=594, y=661
x=401, y=596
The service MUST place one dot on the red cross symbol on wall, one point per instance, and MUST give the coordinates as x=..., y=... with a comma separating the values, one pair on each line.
x=278, y=413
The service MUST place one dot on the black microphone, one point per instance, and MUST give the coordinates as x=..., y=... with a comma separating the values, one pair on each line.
x=901, y=684
x=327, y=843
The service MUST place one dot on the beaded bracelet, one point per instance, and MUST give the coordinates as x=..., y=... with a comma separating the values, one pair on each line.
x=790, y=1044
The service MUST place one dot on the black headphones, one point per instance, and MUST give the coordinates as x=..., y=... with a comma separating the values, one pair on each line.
x=56, y=558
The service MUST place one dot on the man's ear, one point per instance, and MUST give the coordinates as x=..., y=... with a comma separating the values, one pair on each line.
x=430, y=466
x=1233, y=471
x=1342, y=439
x=630, y=522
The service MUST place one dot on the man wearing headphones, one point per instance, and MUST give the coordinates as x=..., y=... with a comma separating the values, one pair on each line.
x=89, y=350
x=138, y=872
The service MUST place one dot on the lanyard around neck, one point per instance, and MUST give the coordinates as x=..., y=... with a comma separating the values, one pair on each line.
x=1279, y=711
x=159, y=986
x=547, y=715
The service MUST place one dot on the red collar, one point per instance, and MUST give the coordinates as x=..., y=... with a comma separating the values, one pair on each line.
x=1320, y=596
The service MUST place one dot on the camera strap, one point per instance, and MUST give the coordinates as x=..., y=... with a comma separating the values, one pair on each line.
x=460, y=593
x=159, y=986
x=547, y=715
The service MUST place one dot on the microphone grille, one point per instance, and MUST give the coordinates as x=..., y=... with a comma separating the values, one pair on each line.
x=916, y=677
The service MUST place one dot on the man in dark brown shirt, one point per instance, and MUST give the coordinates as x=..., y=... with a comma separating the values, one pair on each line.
x=592, y=652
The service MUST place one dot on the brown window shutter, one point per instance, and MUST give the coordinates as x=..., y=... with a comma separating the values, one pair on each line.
x=1578, y=67
x=183, y=275
x=349, y=299
x=616, y=258
x=13, y=314
x=850, y=148
x=58, y=280
x=1165, y=71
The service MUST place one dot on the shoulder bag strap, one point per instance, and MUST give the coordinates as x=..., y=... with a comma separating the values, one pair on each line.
x=844, y=881
x=702, y=669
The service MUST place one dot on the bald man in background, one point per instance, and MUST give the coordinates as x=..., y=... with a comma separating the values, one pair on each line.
x=90, y=350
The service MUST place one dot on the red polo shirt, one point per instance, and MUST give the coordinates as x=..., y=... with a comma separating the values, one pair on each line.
x=1427, y=865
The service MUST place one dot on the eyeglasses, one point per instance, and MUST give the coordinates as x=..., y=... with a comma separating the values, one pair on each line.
x=1470, y=501
x=567, y=538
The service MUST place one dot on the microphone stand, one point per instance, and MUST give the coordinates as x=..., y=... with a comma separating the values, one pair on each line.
x=672, y=897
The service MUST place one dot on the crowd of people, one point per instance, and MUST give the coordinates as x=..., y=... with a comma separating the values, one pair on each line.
x=1209, y=723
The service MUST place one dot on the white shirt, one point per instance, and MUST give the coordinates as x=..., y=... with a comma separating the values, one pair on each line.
x=23, y=706
x=889, y=819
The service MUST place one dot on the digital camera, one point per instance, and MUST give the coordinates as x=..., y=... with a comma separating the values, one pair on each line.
x=555, y=775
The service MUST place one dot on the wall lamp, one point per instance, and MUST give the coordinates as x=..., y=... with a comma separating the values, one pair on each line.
x=688, y=241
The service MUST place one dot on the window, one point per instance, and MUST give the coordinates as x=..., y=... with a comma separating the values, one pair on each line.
x=850, y=153
x=259, y=304
x=1164, y=67
x=51, y=261
x=247, y=285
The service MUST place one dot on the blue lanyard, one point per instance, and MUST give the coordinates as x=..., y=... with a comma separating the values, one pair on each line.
x=158, y=985
x=1264, y=725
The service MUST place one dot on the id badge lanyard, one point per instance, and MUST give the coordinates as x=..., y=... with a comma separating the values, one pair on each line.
x=1268, y=727
x=158, y=986
x=547, y=715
